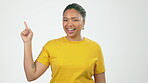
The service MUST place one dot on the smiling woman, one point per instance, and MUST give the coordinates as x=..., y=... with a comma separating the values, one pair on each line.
x=73, y=58
x=73, y=21
x=73, y=24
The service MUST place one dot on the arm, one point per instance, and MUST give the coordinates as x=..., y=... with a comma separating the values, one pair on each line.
x=100, y=78
x=33, y=70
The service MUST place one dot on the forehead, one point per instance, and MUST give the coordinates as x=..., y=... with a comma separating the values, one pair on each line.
x=71, y=13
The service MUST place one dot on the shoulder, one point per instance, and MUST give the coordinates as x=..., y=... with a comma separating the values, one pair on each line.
x=93, y=43
x=51, y=42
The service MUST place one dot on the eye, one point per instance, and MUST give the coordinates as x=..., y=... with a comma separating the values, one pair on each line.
x=75, y=20
x=65, y=20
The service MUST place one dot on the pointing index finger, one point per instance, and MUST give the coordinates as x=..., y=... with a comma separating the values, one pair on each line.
x=26, y=25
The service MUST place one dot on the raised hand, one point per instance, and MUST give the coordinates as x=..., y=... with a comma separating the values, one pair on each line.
x=27, y=34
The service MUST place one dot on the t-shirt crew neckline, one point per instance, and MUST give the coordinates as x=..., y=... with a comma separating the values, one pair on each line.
x=73, y=42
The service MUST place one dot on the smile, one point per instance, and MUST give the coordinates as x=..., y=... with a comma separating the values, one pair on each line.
x=70, y=30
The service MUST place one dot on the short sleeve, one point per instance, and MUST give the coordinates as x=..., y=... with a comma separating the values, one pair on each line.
x=99, y=64
x=44, y=57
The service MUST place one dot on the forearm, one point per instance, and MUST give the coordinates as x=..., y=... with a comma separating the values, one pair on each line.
x=29, y=65
x=100, y=78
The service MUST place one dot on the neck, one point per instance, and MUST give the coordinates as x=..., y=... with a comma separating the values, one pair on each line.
x=78, y=38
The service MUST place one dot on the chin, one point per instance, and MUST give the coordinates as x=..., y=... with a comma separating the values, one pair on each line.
x=70, y=35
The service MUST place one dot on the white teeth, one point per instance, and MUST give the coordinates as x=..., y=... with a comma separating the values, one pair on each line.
x=71, y=29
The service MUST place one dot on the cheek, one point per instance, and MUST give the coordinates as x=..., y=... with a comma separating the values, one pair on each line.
x=80, y=25
x=64, y=24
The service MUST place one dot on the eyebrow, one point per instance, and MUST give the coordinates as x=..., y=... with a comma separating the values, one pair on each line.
x=71, y=18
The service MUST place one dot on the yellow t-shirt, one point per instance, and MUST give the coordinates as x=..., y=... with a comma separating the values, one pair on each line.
x=72, y=61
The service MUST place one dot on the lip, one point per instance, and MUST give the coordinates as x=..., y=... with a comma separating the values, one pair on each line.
x=70, y=28
x=70, y=31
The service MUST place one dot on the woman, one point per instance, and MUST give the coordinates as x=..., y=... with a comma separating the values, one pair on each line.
x=73, y=58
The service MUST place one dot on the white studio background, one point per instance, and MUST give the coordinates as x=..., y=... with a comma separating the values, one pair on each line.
x=119, y=26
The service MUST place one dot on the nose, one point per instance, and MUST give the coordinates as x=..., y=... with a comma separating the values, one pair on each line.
x=70, y=24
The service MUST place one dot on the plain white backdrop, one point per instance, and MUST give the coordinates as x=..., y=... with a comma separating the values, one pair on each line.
x=119, y=26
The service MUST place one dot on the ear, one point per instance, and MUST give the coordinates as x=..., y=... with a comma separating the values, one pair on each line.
x=83, y=23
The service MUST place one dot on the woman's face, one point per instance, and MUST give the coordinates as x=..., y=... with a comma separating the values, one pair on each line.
x=73, y=23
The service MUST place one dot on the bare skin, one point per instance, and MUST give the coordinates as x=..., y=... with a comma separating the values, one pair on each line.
x=33, y=70
x=100, y=78
x=72, y=19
